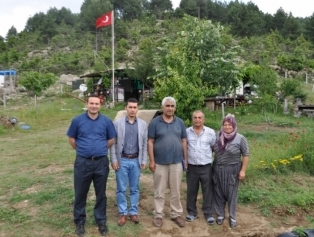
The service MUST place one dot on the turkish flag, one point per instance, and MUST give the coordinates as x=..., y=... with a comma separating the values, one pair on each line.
x=104, y=20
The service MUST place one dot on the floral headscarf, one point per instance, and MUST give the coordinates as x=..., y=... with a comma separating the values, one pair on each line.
x=225, y=138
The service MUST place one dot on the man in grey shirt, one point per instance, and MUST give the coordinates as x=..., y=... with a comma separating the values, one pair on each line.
x=167, y=150
x=200, y=139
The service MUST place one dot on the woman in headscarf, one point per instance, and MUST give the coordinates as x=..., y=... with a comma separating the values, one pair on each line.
x=230, y=163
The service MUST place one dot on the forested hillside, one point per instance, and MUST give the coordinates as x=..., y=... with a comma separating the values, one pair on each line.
x=62, y=42
x=202, y=44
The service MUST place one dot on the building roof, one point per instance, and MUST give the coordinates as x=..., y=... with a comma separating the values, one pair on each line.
x=99, y=74
x=8, y=72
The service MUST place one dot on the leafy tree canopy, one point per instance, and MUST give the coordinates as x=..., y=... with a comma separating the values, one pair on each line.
x=195, y=65
x=37, y=82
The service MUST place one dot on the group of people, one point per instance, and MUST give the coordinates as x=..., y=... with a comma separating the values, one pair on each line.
x=172, y=149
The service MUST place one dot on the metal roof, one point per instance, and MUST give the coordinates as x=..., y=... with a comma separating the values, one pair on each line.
x=99, y=74
x=8, y=72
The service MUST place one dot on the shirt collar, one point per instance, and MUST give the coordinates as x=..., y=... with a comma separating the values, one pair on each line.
x=127, y=119
x=162, y=119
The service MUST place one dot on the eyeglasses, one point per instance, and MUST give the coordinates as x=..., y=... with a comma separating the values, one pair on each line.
x=168, y=106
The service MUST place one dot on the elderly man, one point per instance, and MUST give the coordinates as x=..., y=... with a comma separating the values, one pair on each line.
x=128, y=156
x=167, y=149
x=200, y=139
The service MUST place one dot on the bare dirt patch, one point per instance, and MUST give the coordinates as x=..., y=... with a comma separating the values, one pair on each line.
x=251, y=223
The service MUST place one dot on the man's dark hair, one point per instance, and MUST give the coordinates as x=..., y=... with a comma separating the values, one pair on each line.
x=92, y=96
x=131, y=100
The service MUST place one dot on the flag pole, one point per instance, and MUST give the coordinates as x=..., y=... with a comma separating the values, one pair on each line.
x=112, y=56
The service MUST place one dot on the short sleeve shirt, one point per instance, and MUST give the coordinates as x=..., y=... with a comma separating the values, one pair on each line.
x=199, y=146
x=234, y=150
x=91, y=135
x=167, y=140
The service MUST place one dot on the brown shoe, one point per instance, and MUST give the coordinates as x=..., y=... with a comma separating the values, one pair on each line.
x=134, y=218
x=179, y=221
x=157, y=222
x=122, y=220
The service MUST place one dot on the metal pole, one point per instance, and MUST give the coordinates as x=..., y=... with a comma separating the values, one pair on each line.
x=96, y=39
x=112, y=56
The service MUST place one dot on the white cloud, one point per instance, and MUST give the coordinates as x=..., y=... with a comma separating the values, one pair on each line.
x=300, y=8
x=16, y=12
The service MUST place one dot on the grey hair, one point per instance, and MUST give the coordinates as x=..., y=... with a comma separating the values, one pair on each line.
x=198, y=111
x=171, y=99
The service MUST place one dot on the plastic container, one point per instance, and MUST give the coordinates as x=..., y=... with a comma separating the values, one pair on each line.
x=26, y=127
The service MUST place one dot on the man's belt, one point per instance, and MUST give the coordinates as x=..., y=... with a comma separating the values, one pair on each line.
x=96, y=157
x=199, y=165
x=130, y=156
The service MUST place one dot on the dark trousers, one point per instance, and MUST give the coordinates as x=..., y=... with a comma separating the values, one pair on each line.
x=195, y=176
x=226, y=184
x=85, y=172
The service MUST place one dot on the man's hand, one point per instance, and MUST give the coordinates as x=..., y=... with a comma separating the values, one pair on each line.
x=115, y=166
x=186, y=164
x=143, y=166
x=152, y=166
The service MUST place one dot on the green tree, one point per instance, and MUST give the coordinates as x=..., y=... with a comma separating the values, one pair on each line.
x=195, y=65
x=291, y=28
x=37, y=82
x=292, y=87
x=189, y=7
x=144, y=63
x=279, y=20
x=202, y=9
x=12, y=32
x=159, y=7
x=309, y=28
x=265, y=82
x=245, y=20
x=217, y=11
x=42, y=23
x=128, y=9
x=2, y=44
x=274, y=43
x=295, y=62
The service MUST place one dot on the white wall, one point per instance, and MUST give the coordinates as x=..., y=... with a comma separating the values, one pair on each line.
x=1, y=80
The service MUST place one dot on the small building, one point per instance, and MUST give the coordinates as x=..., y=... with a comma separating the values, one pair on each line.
x=8, y=78
x=125, y=87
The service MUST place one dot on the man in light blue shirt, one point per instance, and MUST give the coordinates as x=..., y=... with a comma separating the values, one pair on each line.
x=200, y=139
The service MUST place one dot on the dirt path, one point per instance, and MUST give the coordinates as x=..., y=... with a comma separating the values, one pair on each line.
x=250, y=221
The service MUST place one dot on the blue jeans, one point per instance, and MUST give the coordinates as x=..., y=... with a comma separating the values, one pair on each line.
x=129, y=171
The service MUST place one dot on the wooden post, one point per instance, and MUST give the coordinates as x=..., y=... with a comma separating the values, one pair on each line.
x=4, y=102
x=285, y=108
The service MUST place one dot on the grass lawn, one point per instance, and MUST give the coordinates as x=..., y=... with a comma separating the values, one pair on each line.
x=36, y=168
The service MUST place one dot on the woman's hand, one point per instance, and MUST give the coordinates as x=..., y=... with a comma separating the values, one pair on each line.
x=241, y=175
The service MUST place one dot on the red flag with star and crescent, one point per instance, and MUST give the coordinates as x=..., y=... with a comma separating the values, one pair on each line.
x=104, y=20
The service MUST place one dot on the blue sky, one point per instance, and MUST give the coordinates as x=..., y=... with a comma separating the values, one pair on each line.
x=16, y=12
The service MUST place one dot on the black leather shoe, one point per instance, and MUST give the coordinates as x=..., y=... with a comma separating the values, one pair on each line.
x=103, y=230
x=79, y=230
